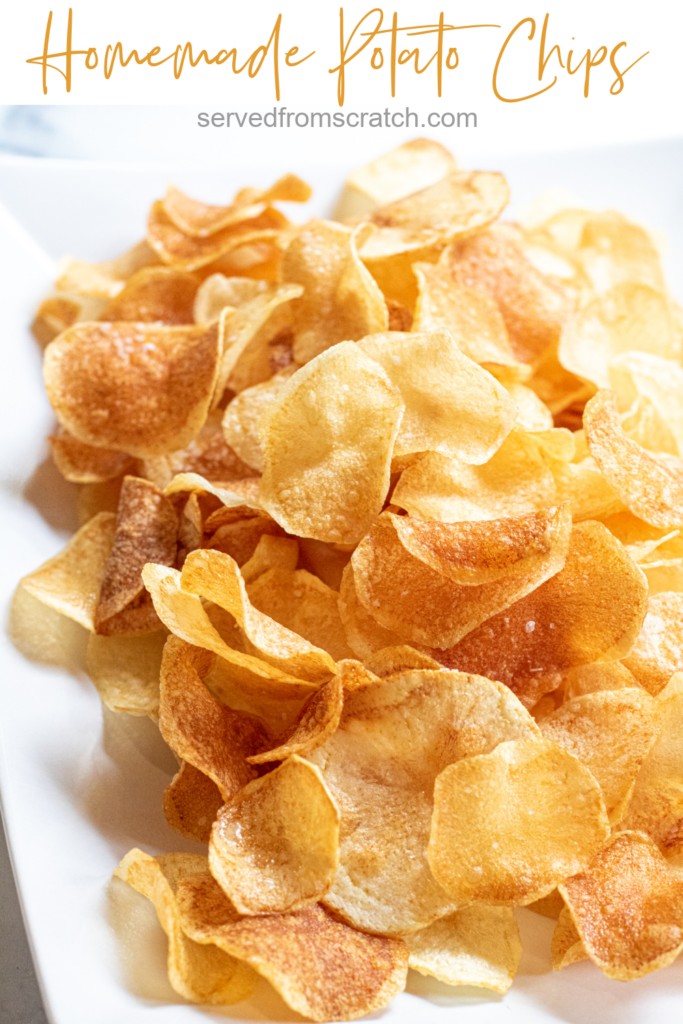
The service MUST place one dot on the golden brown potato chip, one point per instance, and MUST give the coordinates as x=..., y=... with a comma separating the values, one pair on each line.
x=103, y=280
x=452, y=406
x=330, y=482
x=70, y=581
x=238, y=494
x=511, y=824
x=211, y=737
x=322, y=968
x=154, y=295
x=533, y=306
x=326, y=561
x=144, y=389
x=303, y=603
x=626, y=318
x=250, y=337
x=478, y=946
x=658, y=650
x=218, y=291
x=279, y=554
x=515, y=480
x=650, y=485
x=611, y=733
x=410, y=167
x=394, y=738
x=566, y=948
x=188, y=252
x=83, y=464
x=207, y=455
x=340, y=300
x=199, y=972
x=364, y=634
x=146, y=531
x=432, y=583
x=201, y=220
x=392, y=660
x=317, y=720
x=125, y=670
x=275, y=845
x=458, y=204
x=54, y=315
x=602, y=675
x=592, y=609
x=585, y=488
x=627, y=907
x=244, y=414
x=191, y=802
x=216, y=577
x=656, y=805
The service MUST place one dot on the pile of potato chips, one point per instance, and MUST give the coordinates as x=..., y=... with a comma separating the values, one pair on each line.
x=383, y=525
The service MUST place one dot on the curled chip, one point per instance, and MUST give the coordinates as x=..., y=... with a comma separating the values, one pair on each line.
x=144, y=389
x=432, y=583
x=591, y=610
x=340, y=300
x=627, y=906
x=478, y=946
x=199, y=972
x=317, y=720
x=250, y=336
x=649, y=484
x=509, y=825
x=452, y=406
x=394, y=738
x=322, y=968
x=327, y=446
x=202, y=220
x=274, y=847
x=218, y=291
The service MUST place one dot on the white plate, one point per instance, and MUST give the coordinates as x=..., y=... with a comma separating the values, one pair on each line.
x=80, y=787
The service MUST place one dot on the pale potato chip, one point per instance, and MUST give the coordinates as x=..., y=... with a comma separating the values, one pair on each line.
x=660, y=381
x=317, y=720
x=70, y=581
x=627, y=907
x=394, y=738
x=600, y=676
x=243, y=417
x=650, y=485
x=191, y=802
x=592, y=609
x=323, y=969
x=271, y=553
x=515, y=480
x=626, y=318
x=238, y=494
x=656, y=805
x=566, y=948
x=478, y=946
x=218, y=291
x=144, y=389
x=198, y=972
x=613, y=250
x=347, y=412
x=658, y=650
x=611, y=733
x=432, y=583
x=452, y=406
x=274, y=846
x=511, y=824
x=125, y=670
x=410, y=167
x=392, y=660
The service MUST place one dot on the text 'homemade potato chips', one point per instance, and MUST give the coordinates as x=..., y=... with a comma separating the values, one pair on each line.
x=382, y=529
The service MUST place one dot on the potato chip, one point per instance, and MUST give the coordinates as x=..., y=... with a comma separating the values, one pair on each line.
x=271, y=553
x=54, y=315
x=103, y=280
x=249, y=334
x=218, y=291
x=188, y=252
x=146, y=531
x=345, y=462
x=238, y=494
x=364, y=634
x=658, y=650
x=201, y=220
x=516, y=480
x=533, y=306
x=650, y=485
x=125, y=670
x=83, y=464
x=432, y=583
x=511, y=824
x=207, y=455
x=566, y=948
x=410, y=167
x=244, y=415
x=660, y=381
x=611, y=733
x=154, y=295
x=478, y=946
x=452, y=406
x=340, y=301
x=199, y=972
x=144, y=389
x=216, y=577
x=275, y=846
x=393, y=660
x=600, y=676
x=394, y=738
x=212, y=738
x=317, y=720
x=593, y=608
x=628, y=317
x=656, y=805
x=70, y=581
x=582, y=484
x=191, y=802
x=627, y=907
x=322, y=968
x=613, y=250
